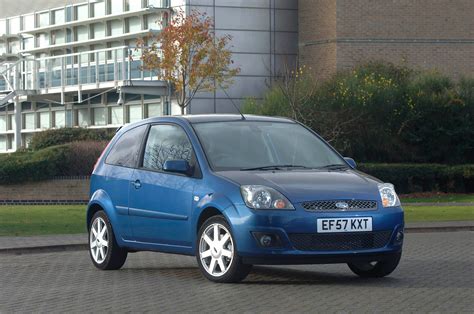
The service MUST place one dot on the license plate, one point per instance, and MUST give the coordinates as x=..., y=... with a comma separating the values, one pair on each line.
x=355, y=224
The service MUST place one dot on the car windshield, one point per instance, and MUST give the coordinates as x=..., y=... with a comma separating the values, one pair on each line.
x=256, y=145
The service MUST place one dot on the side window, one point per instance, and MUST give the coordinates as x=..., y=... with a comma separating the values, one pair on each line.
x=166, y=142
x=126, y=150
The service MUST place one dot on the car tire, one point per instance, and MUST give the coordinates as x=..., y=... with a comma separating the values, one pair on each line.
x=376, y=269
x=218, y=260
x=104, y=251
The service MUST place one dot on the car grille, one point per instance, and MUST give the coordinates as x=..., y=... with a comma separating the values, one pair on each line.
x=331, y=205
x=340, y=241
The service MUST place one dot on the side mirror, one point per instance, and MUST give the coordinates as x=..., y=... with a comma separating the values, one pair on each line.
x=177, y=166
x=351, y=162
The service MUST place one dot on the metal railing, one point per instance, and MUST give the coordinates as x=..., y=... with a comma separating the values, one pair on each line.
x=88, y=69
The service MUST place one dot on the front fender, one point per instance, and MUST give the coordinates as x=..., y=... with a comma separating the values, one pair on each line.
x=217, y=201
x=100, y=200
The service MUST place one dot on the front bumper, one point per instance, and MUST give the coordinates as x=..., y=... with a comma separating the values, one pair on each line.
x=284, y=225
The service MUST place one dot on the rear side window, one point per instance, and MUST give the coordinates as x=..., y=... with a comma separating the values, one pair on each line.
x=166, y=142
x=126, y=150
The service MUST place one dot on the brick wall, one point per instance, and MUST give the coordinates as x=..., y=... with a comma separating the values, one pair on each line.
x=425, y=34
x=317, y=27
x=51, y=191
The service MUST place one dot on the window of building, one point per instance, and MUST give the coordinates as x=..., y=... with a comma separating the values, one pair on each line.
x=44, y=120
x=116, y=6
x=59, y=16
x=116, y=115
x=11, y=124
x=98, y=8
x=28, y=21
x=154, y=110
x=126, y=150
x=82, y=33
x=3, y=142
x=59, y=119
x=98, y=30
x=83, y=117
x=27, y=139
x=134, y=24
x=42, y=40
x=69, y=13
x=3, y=27
x=14, y=46
x=29, y=42
x=100, y=116
x=155, y=3
x=82, y=12
x=166, y=142
x=58, y=37
x=3, y=47
x=153, y=21
x=134, y=5
x=134, y=113
x=3, y=123
x=29, y=121
x=115, y=28
x=43, y=19
x=14, y=25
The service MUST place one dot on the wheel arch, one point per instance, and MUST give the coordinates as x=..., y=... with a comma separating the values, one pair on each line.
x=207, y=213
x=100, y=200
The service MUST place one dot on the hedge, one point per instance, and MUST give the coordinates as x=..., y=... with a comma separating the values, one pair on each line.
x=32, y=166
x=61, y=136
x=73, y=159
x=78, y=158
x=412, y=178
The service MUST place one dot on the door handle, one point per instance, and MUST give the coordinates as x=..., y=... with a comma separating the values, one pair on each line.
x=137, y=184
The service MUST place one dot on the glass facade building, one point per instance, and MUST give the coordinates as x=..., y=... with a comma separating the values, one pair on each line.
x=67, y=63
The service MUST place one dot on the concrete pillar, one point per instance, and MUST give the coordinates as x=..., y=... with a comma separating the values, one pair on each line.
x=17, y=130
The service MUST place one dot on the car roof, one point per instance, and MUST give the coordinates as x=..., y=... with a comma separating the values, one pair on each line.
x=201, y=118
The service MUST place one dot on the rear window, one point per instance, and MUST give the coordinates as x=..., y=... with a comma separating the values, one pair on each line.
x=126, y=150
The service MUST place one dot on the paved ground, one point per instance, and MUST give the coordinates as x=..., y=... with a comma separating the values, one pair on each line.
x=436, y=275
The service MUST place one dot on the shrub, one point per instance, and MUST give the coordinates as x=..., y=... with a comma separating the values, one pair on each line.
x=73, y=159
x=55, y=137
x=412, y=178
x=32, y=166
x=379, y=112
x=81, y=157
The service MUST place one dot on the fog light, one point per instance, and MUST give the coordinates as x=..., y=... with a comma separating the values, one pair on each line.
x=399, y=237
x=267, y=240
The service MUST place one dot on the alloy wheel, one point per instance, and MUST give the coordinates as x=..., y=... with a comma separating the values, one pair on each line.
x=216, y=249
x=99, y=240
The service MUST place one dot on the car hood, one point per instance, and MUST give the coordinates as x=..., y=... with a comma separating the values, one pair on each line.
x=299, y=186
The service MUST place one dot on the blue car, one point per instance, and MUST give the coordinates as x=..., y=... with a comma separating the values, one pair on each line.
x=235, y=191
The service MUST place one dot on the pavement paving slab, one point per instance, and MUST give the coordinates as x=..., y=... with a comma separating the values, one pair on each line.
x=436, y=275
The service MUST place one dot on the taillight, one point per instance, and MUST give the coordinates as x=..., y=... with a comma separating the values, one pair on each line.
x=102, y=154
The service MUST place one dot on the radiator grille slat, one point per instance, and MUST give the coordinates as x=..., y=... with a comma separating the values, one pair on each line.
x=330, y=205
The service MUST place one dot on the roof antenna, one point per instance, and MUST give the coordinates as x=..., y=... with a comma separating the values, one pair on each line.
x=233, y=103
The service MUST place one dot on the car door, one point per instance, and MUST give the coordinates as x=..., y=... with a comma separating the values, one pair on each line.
x=117, y=173
x=161, y=202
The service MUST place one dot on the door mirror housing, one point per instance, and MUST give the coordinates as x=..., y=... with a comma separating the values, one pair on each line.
x=351, y=162
x=177, y=166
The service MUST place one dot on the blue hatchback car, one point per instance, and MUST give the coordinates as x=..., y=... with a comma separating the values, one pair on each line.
x=235, y=191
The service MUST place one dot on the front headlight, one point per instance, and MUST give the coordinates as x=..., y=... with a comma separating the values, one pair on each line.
x=388, y=195
x=263, y=197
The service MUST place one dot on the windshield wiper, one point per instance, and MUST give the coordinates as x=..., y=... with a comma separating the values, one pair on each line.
x=275, y=167
x=334, y=167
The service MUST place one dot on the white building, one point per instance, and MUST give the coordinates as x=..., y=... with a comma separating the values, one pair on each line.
x=63, y=63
